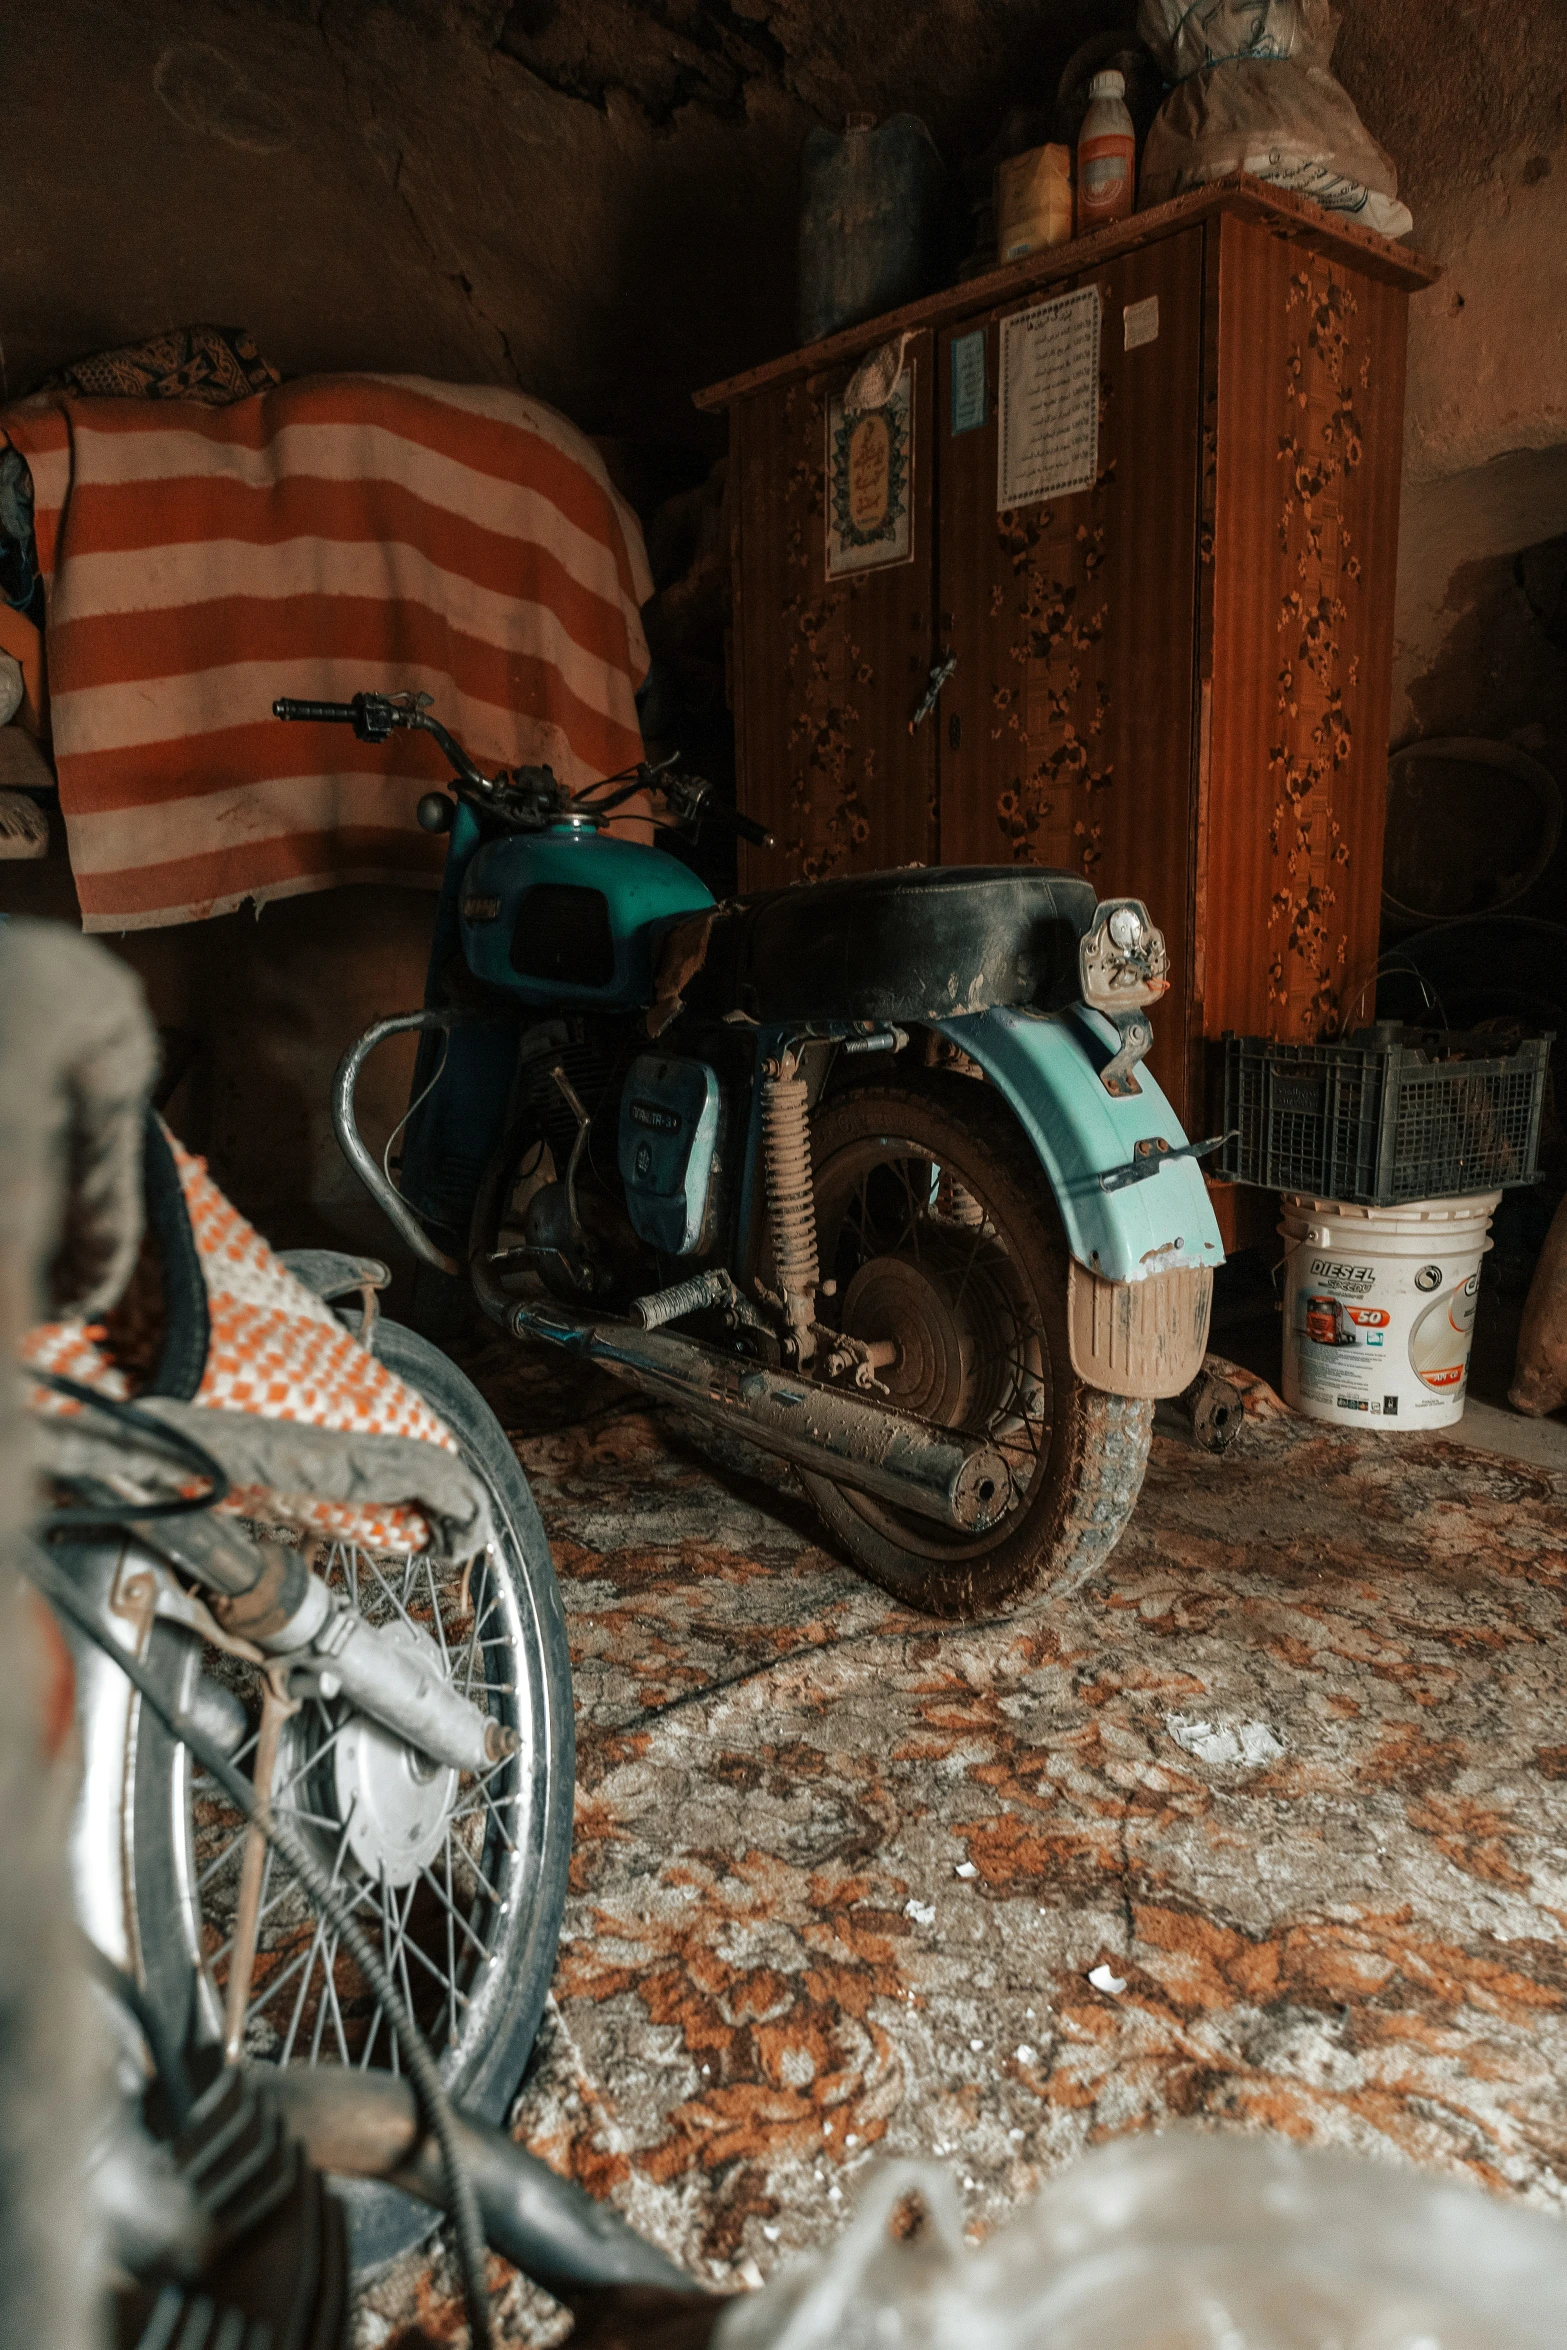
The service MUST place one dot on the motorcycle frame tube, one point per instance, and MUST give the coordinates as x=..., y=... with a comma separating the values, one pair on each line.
x=463, y=842
x=1046, y=1067
x=352, y=1144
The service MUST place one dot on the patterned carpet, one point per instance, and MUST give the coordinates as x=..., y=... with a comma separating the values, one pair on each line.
x=1294, y=1769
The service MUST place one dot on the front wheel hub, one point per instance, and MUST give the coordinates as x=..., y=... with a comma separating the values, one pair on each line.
x=377, y=1801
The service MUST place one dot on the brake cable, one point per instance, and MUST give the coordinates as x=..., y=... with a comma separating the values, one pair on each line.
x=186, y=1452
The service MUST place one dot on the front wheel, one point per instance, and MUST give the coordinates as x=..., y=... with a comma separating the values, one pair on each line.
x=460, y=1878
x=936, y=1225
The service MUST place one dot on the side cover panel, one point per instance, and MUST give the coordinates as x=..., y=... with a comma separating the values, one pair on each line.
x=1048, y=1069
x=668, y=1134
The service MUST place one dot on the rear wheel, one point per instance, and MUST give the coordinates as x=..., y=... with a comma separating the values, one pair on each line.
x=937, y=1227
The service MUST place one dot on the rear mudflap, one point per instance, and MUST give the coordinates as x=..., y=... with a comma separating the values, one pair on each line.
x=1140, y=1338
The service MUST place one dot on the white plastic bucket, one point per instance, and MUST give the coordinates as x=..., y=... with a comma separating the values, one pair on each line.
x=1379, y=1308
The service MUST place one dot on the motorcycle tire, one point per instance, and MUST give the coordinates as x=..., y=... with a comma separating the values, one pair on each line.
x=981, y=1295
x=162, y=1823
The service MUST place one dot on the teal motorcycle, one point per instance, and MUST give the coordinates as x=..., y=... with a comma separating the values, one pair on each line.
x=866, y=1170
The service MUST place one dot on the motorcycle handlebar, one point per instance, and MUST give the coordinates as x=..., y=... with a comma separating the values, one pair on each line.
x=372, y=717
x=332, y=713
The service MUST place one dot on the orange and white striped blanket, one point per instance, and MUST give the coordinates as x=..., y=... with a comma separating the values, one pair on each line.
x=342, y=532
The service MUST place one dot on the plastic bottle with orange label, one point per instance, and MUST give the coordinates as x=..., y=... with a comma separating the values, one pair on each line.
x=1106, y=155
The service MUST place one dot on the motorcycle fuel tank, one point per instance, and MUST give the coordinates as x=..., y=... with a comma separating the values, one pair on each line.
x=668, y=1134
x=568, y=918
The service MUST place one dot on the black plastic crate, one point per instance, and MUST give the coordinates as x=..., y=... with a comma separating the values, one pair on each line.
x=1383, y=1116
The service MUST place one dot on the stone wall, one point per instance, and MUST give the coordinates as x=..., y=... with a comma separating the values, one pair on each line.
x=1472, y=101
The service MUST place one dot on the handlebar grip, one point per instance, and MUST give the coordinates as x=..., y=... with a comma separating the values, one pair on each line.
x=748, y=829
x=334, y=713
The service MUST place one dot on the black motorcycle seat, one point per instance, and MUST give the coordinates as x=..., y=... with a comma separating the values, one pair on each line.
x=925, y=943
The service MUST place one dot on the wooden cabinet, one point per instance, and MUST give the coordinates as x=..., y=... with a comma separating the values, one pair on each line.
x=1175, y=680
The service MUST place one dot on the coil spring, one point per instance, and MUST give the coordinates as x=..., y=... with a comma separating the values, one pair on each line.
x=716, y=1288
x=956, y=1206
x=791, y=1196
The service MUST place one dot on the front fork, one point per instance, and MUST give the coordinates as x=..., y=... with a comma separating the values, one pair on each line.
x=267, y=1605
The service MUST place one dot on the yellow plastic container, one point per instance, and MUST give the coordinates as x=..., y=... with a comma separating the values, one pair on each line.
x=1033, y=201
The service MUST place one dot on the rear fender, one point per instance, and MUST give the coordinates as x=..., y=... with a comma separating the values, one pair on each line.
x=1047, y=1068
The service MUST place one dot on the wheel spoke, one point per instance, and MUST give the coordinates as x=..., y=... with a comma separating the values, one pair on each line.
x=274, y=1984
x=288, y=1785
x=454, y=1917
x=316, y=1944
x=403, y=1947
x=421, y=1957
x=435, y=1613
x=491, y=1803
x=471, y=1811
x=472, y=1652
x=330, y=1986
x=451, y=1946
x=392, y=1957
x=230, y=1848
x=382, y=1905
x=390, y=1593
x=968, y=1269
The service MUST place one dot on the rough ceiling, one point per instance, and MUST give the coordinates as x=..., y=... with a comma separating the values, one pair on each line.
x=594, y=199
x=957, y=65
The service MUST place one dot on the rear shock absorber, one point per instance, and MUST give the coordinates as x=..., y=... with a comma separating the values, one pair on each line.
x=791, y=1196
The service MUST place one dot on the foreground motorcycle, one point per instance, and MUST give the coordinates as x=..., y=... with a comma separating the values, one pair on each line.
x=865, y=1170
x=414, y=1726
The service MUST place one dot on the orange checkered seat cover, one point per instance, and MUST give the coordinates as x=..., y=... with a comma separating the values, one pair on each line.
x=234, y=1331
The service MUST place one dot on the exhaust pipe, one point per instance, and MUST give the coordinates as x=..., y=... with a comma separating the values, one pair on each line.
x=959, y=1481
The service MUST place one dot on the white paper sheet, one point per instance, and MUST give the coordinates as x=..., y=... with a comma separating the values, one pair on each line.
x=1048, y=444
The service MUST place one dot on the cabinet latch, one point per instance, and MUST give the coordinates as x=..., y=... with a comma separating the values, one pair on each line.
x=933, y=685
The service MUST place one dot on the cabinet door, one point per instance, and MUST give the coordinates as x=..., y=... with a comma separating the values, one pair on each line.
x=1310, y=409
x=829, y=668
x=1067, y=732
